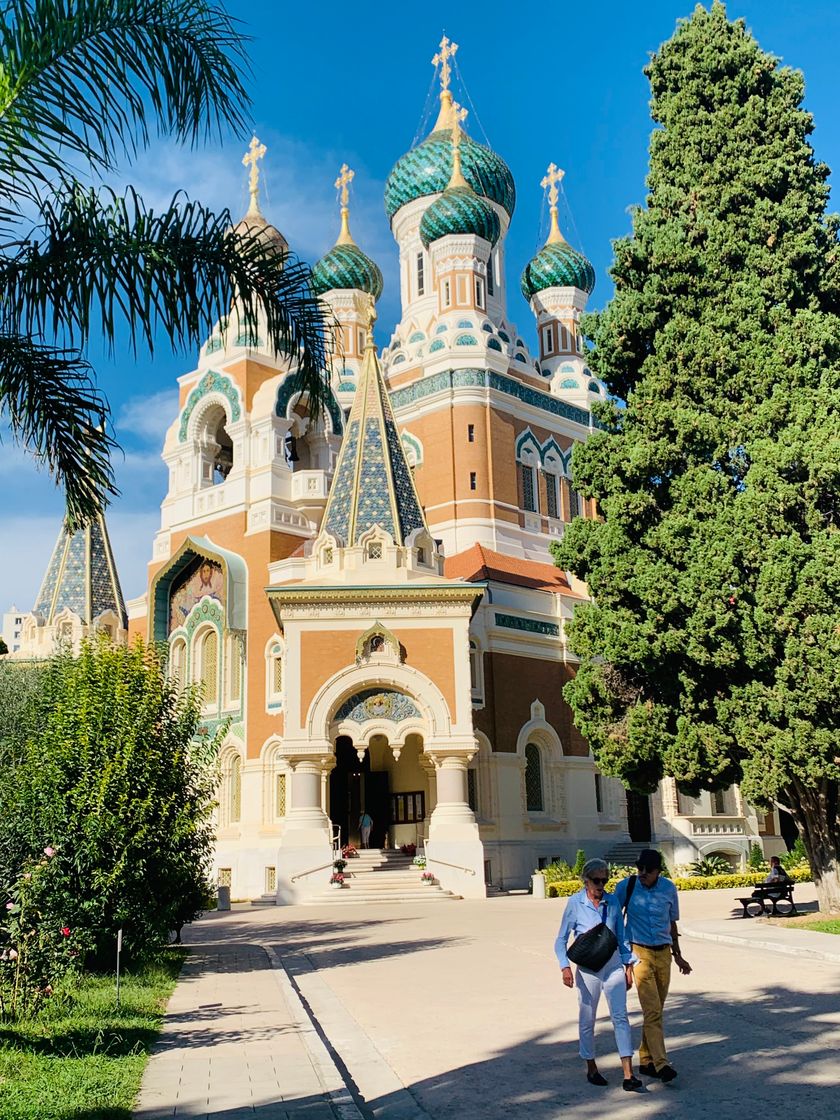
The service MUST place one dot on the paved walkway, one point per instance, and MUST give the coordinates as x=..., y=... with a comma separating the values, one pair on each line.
x=436, y=1012
x=236, y=1043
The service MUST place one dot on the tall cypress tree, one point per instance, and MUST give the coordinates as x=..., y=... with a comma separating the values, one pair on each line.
x=711, y=649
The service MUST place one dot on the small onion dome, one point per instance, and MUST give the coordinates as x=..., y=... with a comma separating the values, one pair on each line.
x=557, y=265
x=255, y=224
x=459, y=210
x=426, y=170
x=346, y=266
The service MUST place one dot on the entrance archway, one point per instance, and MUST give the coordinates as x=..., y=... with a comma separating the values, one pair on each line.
x=355, y=787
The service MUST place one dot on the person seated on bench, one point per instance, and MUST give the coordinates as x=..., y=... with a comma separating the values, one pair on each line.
x=777, y=876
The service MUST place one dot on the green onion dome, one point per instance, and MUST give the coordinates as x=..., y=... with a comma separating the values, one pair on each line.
x=459, y=210
x=557, y=265
x=346, y=266
x=427, y=169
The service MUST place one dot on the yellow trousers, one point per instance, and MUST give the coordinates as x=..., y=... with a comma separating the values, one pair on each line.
x=653, y=977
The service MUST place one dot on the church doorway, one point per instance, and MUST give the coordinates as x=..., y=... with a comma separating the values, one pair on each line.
x=356, y=788
x=638, y=816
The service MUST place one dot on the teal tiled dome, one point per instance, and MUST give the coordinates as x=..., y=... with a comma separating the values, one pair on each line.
x=459, y=210
x=557, y=265
x=427, y=169
x=346, y=266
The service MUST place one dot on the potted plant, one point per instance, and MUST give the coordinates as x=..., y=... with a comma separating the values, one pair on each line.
x=428, y=878
x=339, y=864
x=419, y=861
x=337, y=879
x=408, y=849
x=348, y=851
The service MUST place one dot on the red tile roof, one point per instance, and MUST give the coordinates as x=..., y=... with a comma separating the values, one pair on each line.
x=479, y=563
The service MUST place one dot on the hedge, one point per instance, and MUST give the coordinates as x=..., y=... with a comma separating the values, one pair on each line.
x=695, y=883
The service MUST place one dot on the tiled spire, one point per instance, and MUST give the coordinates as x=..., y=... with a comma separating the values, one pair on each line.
x=82, y=576
x=372, y=483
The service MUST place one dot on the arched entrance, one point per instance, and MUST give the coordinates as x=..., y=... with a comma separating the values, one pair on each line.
x=356, y=788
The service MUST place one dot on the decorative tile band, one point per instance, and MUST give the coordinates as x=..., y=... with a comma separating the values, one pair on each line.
x=530, y=625
x=481, y=378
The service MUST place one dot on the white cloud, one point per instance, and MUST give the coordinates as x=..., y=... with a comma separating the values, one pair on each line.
x=147, y=417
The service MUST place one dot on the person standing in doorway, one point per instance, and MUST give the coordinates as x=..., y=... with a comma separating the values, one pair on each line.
x=651, y=905
x=365, y=825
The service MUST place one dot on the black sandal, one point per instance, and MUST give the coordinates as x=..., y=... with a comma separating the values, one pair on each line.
x=631, y=1084
x=597, y=1079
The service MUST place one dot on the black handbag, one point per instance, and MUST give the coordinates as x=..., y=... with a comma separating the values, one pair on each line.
x=594, y=948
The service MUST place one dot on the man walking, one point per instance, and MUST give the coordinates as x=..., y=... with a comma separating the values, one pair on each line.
x=652, y=909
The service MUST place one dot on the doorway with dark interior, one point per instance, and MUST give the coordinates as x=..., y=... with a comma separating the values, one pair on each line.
x=354, y=789
x=638, y=817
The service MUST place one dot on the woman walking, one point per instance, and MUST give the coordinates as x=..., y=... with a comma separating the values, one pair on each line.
x=591, y=907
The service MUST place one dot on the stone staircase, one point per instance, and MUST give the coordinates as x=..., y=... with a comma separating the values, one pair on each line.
x=626, y=853
x=380, y=876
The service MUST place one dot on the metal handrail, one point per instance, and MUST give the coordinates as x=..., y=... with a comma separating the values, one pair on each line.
x=443, y=863
x=312, y=871
x=336, y=840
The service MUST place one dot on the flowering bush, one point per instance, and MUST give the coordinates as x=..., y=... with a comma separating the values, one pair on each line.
x=35, y=949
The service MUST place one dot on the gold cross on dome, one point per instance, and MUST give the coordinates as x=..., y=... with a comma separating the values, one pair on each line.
x=343, y=182
x=447, y=51
x=255, y=152
x=552, y=178
x=459, y=115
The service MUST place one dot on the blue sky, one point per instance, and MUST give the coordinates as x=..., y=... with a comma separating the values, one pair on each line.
x=338, y=83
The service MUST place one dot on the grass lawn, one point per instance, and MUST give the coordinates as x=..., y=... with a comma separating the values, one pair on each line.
x=827, y=925
x=82, y=1056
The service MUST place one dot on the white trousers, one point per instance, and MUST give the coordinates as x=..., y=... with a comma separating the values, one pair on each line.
x=609, y=980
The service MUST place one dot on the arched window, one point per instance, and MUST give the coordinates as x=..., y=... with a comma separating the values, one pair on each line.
x=233, y=663
x=274, y=681
x=217, y=447
x=529, y=490
x=533, y=779
x=208, y=661
x=178, y=662
x=475, y=669
x=552, y=505
x=235, y=789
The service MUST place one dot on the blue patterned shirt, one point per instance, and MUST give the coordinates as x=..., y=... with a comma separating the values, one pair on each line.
x=582, y=914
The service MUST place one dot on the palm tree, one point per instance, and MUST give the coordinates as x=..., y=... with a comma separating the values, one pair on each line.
x=82, y=84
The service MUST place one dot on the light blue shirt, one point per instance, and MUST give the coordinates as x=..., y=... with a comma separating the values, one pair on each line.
x=582, y=914
x=651, y=911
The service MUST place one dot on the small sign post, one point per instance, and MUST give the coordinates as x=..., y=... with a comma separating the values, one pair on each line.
x=119, y=950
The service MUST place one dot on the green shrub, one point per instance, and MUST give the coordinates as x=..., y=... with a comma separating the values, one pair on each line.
x=797, y=857
x=711, y=865
x=756, y=860
x=694, y=883
x=559, y=872
x=580, y=860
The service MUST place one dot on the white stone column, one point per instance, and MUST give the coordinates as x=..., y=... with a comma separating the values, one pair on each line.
x=304, y=857
x=454, y=848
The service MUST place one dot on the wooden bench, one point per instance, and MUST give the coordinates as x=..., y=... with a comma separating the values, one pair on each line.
x=774, y=893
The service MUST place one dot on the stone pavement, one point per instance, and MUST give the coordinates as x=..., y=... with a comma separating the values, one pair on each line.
x=236, y=1043
x=436, y=1012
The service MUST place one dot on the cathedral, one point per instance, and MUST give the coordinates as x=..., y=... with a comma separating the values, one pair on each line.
x=367, y=595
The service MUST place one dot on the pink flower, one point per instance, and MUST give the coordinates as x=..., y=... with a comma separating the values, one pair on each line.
x=65, y=931
x=49, y=852
x=13, y=954
x=10, y=906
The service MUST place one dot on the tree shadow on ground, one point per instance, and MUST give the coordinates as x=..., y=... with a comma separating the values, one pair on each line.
x=774, y=1053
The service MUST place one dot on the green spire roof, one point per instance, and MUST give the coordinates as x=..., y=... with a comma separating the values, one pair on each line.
x=372, y=484
x=82, y=577
x=459, y=210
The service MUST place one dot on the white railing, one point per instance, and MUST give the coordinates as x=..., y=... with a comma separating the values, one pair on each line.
x=715, y=826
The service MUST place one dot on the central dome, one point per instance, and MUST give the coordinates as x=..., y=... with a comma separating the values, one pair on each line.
x=459, y=210
x=346, y=266
x=427, y=169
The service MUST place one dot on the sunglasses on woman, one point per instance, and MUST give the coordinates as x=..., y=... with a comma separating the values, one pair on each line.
x=598, y=882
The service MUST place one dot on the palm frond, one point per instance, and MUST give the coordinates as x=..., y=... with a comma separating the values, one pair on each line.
x=85, y=78
x=99, y=260
x=55, y=413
